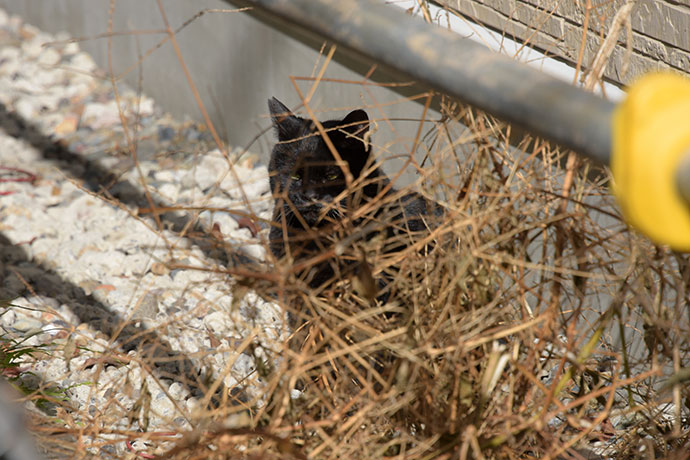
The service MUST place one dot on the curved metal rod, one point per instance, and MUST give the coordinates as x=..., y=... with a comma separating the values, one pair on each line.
x=458, y=67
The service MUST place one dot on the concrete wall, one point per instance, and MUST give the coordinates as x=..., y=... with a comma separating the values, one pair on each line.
x=236, y=62
x=660, y=30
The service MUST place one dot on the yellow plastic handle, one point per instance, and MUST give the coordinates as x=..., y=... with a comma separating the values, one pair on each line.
x=651, y=133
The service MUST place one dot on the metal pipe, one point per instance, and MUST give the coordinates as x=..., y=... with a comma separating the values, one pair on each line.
x=456, y=66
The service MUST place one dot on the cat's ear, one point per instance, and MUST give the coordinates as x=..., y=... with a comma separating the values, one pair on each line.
x=287, y=125
x=356, y=123
x=355, y=148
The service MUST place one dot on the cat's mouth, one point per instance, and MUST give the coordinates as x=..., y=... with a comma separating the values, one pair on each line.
x=318, y=213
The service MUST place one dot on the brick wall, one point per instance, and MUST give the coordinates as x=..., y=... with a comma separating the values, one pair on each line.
x=660, y=30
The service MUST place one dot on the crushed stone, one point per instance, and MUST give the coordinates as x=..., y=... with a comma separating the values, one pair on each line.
x=86, y=275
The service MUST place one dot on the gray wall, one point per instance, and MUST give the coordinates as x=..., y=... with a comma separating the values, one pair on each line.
x=236, y=62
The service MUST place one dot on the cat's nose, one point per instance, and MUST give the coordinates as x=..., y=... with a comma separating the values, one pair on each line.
x=317, y=195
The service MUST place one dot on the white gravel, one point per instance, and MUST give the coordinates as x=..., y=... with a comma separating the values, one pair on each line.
x=77, y=268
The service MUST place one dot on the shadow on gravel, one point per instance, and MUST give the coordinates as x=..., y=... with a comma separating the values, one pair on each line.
x=19, y=275
x=94, y=177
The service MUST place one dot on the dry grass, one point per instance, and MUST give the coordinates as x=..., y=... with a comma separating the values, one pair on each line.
x=505, y=340
x=526, y=324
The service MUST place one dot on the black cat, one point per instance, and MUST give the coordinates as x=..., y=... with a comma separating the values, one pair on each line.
x=314, y=202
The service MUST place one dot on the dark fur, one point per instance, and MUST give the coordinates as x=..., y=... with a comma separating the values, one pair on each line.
x=305, y=181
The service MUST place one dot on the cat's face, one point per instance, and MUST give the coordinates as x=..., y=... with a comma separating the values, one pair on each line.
x=304, y=175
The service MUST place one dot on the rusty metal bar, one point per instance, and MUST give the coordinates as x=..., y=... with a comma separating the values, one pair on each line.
x=455, y=66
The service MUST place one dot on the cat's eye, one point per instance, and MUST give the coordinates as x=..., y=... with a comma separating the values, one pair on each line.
x=333, y=176
x=295, y=177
